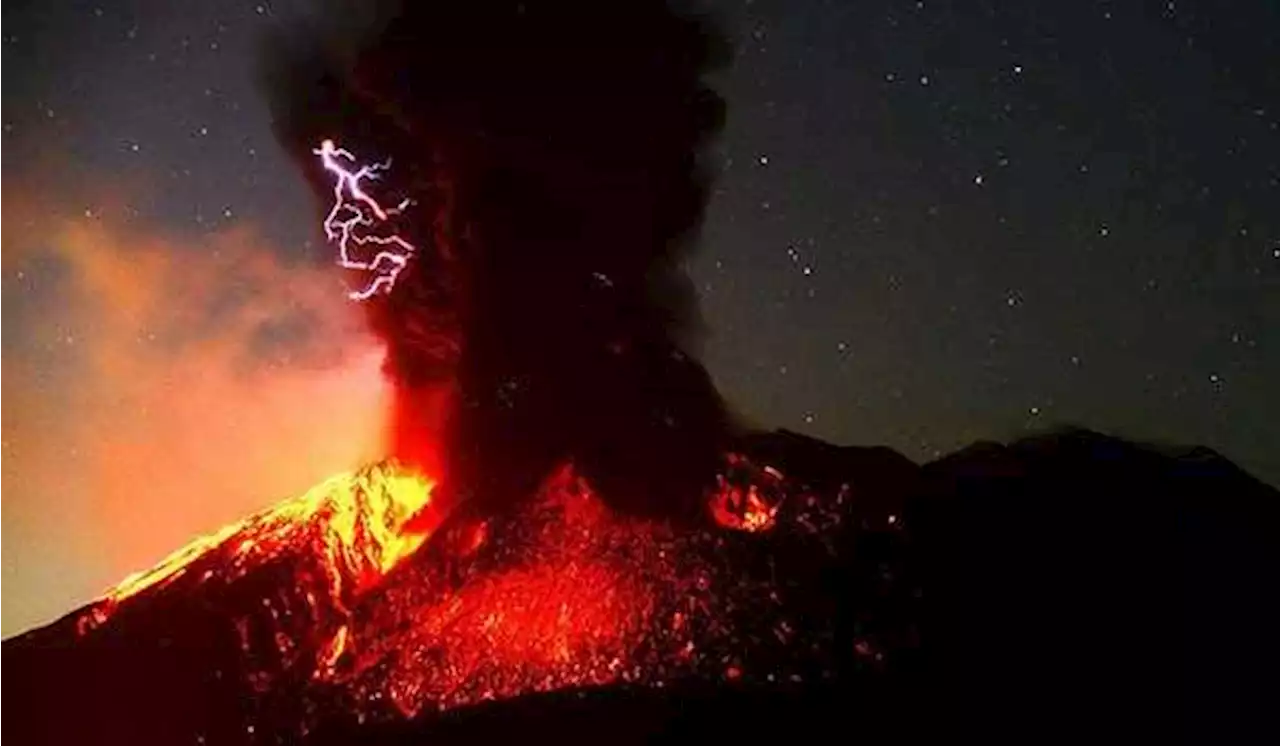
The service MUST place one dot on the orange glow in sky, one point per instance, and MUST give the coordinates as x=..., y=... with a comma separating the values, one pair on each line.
x=165, y=386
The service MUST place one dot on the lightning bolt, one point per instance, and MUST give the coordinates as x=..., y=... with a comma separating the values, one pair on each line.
x=353, y=216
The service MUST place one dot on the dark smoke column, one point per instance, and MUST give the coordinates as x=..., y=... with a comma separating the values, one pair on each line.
x=552, y=151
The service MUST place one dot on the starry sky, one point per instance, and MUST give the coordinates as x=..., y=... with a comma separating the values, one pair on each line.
x=935, y=223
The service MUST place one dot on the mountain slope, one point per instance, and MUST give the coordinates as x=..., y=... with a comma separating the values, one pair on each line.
x=1000, y=586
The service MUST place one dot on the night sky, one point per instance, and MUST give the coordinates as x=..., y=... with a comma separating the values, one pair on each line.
x=935, y=223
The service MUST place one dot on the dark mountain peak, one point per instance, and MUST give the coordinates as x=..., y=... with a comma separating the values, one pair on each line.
x=1065, y=457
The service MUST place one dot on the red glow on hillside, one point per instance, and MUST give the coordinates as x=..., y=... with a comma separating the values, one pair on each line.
x=559, y=593
x=359, y=527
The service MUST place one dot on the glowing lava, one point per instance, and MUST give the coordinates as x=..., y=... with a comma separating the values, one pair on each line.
x=747, y=497
x=557, y=592
x=357, y=524
x=554, y=603
x=354, y=216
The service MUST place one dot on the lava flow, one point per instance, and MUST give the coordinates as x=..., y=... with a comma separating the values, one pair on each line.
x=366, y=523
x=355, y=525
x=557, y=593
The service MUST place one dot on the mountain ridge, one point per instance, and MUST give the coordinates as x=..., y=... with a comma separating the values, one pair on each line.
x=1051, y=554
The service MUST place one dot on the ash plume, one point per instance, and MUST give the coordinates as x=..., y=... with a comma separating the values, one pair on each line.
x=553, y=153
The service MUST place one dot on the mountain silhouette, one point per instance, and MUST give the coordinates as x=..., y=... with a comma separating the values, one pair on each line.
x=1062, y=585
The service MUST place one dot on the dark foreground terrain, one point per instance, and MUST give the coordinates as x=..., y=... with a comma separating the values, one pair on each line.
x=1065, y=586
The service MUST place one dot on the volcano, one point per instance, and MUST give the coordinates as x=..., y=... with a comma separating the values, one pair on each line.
x=1062, y=582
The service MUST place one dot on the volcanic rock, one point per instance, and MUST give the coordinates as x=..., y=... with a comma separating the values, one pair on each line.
x=1062, y=585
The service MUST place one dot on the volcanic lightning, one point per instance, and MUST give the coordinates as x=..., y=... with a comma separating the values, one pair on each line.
x=354, y=215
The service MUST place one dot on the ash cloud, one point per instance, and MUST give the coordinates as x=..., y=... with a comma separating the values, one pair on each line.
x=553, y=149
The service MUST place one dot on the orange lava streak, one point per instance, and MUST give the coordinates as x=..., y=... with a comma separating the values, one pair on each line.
x=359, y=520
x=170, y=567
x=337, y=646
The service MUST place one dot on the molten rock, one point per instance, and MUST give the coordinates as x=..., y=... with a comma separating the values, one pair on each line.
x=842, y=585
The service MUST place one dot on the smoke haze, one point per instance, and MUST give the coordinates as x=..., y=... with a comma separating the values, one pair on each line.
x=189, y=381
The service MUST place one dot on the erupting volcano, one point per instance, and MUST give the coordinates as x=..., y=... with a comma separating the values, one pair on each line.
x=345, y=606
x=568, y=512
x=356, y=525
x=841, y=588
x=559, y=603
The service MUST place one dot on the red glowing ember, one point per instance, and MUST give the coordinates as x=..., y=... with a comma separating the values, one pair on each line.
x=558, y=593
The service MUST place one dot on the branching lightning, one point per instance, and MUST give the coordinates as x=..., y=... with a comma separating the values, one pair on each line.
x=354, y=216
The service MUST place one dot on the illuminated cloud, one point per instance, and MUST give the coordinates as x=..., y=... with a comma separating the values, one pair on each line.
x=158, y=386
